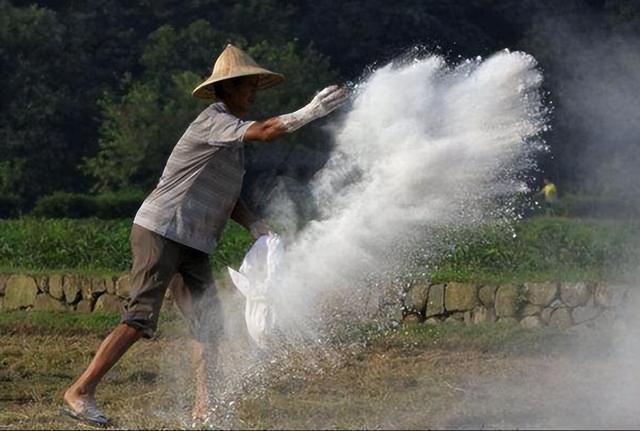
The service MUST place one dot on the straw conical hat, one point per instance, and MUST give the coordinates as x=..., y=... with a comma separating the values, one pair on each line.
x=233, y=63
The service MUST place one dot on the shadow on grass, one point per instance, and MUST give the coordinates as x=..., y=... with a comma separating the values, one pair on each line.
x=69, y=324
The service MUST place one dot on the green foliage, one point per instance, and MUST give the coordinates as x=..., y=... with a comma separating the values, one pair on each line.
x=140, y=128
x=89, y=245
x=11, y=177
x=38, y=244
x=306, y=71
x=109, y=205
x=139, y=132
x=35, y=87
x=121, y=204
x=168, y=51
x=613, y=205
x=543, y=248
x=84, y=83
x=235, y=242
x=9, y=206
x=61, y=57
x=556, y=248
x=61, y=204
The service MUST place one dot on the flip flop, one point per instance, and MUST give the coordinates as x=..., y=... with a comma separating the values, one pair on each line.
x=90, y=415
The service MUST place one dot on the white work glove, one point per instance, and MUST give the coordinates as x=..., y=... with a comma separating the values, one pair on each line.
x=322, y=104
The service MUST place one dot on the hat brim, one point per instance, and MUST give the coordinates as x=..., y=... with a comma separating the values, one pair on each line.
x=266, y=80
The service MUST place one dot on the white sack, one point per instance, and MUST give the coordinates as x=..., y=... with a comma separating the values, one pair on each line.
x=255, y=280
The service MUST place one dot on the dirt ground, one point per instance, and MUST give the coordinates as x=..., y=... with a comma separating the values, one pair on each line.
x=415, y=377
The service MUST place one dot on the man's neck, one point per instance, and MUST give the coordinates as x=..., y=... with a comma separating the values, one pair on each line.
x=235, y=110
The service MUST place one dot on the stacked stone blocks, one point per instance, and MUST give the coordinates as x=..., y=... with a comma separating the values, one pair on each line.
x=531, y=305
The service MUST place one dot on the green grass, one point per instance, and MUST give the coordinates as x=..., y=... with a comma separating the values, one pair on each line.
x=537, y=249
x=89, y=246
x=543, y=248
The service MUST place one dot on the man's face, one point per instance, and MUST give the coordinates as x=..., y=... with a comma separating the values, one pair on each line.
x=242, y=93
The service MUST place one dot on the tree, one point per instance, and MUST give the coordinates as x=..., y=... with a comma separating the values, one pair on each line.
x=141, y=127
x=36, y=99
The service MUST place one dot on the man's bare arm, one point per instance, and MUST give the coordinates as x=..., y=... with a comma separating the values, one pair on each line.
x=264, y=131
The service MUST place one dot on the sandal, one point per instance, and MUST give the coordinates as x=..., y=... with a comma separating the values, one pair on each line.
x=90, y=414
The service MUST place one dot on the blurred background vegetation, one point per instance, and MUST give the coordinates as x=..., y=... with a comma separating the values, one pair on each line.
x=95, y=94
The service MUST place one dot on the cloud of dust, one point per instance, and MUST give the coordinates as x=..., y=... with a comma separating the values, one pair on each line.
x=593, y=381
x=424, y=145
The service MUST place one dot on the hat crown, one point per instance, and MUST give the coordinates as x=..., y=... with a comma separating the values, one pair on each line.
x=232, y=60
x=234, y=63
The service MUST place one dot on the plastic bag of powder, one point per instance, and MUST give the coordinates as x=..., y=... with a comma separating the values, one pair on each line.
x=255, y=280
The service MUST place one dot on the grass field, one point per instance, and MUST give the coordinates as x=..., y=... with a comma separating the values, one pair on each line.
x=536, y=249
x=447, y=376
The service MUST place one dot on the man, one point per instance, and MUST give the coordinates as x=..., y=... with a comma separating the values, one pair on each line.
x=179, y=224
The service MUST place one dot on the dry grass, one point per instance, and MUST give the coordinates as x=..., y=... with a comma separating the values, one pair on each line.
x=410, y=378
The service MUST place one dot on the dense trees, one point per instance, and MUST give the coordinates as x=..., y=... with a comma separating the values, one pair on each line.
x=95, y=93
x=141, y=127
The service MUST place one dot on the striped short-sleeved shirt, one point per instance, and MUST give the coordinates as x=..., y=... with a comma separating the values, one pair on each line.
x=200, y=183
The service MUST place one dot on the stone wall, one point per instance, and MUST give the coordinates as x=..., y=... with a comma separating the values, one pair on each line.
x=530, y=304
x=68, y=292
x=63, y=293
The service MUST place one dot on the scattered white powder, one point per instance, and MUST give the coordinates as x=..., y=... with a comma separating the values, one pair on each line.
x=423, y=145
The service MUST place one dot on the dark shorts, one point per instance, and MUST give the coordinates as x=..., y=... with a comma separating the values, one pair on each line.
x=160, y=263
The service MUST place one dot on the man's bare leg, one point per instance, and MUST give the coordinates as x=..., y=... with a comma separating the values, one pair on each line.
x=82, y=392
x=200, y=356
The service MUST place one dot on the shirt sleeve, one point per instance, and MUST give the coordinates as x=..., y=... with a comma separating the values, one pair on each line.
x=226, y=130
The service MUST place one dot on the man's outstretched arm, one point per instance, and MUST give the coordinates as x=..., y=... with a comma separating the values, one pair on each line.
x=322, y=104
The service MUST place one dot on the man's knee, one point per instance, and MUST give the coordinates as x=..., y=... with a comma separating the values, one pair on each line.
x=138, y=325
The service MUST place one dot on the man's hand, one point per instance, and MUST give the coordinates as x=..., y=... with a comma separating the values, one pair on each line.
x=327, y=100
x=322, y=104
x=259, y=228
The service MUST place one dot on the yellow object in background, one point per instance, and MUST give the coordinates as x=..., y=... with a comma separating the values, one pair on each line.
x=550, y=192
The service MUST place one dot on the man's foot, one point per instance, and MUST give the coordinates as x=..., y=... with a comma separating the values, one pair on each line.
x=200, y=412
x=83, y=408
